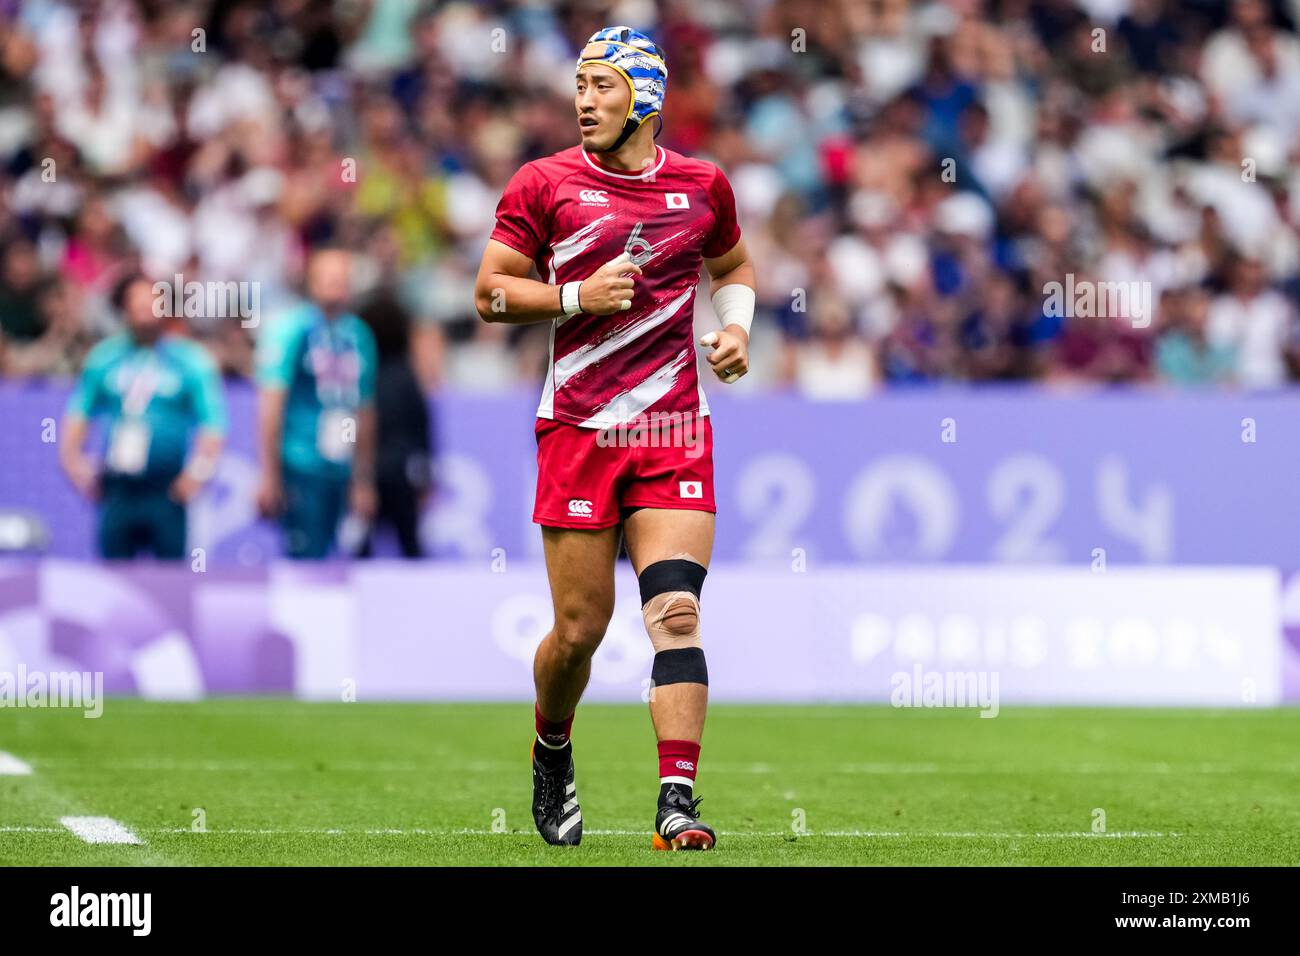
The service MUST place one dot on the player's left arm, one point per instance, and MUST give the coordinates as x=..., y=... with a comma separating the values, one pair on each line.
x=732, y=290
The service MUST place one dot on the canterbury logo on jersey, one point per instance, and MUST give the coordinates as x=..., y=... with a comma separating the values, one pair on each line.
x=579, y=508
x=594, y=197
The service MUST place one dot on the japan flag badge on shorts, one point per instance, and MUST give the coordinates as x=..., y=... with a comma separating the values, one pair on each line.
x=677, y=201
x=690, y=489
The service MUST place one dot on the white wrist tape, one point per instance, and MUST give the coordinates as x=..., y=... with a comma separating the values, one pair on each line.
x=569, y=298
x=734, y=305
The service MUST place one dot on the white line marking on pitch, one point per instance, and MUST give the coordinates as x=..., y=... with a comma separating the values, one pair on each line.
x=861, y=834
x=11, y=766
x=99, y=830
x=753, y=834
x=764, y=834
x=869, y=769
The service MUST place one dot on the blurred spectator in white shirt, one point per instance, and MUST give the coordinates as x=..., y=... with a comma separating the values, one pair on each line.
x=1255, y=321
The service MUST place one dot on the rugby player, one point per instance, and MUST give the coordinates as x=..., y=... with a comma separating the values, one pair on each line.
x=617, y=228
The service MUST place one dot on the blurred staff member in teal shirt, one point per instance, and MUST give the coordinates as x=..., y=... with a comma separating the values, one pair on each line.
x=154, y=390
x=316, y=412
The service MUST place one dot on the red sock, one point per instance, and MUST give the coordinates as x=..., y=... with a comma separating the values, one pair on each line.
x=677, y=760
x=552, y=733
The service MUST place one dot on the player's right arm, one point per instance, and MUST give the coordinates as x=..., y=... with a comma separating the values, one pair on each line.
x=504, y=293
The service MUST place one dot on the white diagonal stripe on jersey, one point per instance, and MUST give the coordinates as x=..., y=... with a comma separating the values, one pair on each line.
x=578, y=243
x=658, y=247
x=586, y=356
x=633, y=401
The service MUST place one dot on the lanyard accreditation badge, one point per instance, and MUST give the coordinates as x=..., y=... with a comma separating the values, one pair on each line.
x=128, y=443
x=336, y=368
x=336, y=434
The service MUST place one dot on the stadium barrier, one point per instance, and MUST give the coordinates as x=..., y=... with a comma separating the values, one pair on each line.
x=950, y=475
x=975, y=637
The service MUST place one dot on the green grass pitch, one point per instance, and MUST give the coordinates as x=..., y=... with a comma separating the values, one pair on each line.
x=285, y=782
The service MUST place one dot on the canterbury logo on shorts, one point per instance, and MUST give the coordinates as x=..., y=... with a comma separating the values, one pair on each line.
x=579, y=508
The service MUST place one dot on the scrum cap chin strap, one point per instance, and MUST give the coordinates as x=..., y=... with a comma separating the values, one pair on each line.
x=630, y=127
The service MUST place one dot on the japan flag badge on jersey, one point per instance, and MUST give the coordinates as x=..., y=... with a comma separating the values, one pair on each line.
x=676, y=201
x=690, y=489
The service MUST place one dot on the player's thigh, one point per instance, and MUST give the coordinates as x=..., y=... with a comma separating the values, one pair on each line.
x=661, y=534
x=580, y=567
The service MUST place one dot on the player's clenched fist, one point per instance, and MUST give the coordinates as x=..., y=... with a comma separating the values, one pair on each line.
x=610, y=288
x=730, y=356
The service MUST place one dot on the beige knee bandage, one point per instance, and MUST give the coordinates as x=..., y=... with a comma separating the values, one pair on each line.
x=672, y=620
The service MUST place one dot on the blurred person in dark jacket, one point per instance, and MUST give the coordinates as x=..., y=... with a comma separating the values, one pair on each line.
x=61, y=348
x=20, y=284
x=403, y=474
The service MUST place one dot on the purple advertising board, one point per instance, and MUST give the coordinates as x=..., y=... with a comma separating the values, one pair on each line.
x=1010, y=476
x=387, y=630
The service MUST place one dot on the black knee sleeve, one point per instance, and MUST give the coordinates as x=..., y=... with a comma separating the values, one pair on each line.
x=677, y=574
x=685, y=665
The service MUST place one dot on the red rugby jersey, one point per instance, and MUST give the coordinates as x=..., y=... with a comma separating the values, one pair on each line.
x=570, y=214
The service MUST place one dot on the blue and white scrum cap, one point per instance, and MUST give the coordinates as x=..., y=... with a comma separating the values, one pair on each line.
x=638, y=59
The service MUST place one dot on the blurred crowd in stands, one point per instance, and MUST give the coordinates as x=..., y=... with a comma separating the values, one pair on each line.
x=911, y=177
